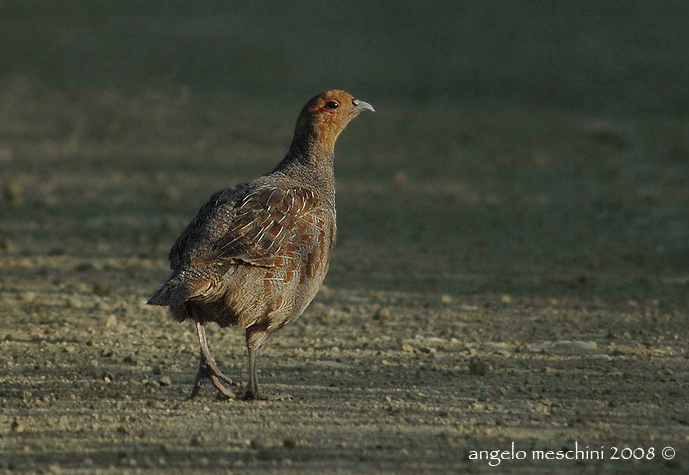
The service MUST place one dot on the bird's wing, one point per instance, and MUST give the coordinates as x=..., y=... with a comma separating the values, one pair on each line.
x=256, y=227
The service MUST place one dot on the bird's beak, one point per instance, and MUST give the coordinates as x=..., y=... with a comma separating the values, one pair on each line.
x=360, y=106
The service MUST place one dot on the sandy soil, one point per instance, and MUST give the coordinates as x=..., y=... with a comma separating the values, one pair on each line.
x=507, y=278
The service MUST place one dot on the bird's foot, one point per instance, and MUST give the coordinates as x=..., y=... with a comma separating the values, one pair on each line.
x=219, y=381
x=250, y=396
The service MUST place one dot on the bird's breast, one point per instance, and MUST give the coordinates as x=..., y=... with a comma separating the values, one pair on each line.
x=305, y=260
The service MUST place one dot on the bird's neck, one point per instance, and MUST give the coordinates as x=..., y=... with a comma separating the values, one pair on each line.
x=311, y=140
x=311, y=163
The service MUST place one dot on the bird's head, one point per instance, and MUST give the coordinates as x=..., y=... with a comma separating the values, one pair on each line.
x=325, y=116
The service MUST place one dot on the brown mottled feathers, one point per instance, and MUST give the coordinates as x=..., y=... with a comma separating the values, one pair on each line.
x=258, y=252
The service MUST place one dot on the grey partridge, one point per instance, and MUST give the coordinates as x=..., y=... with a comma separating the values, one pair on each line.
x=255, y=255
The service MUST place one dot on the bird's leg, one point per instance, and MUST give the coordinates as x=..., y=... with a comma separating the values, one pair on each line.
x=208, y=368
x=255, y=338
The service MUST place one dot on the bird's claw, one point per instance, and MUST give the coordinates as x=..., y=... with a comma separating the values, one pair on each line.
x=219, y=381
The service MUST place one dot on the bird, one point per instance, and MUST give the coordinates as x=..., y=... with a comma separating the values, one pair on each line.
x=256, y=254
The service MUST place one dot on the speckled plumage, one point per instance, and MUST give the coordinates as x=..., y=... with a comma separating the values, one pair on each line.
x=255, y=255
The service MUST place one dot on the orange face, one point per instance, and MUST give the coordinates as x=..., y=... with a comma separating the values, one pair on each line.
x=327, y=114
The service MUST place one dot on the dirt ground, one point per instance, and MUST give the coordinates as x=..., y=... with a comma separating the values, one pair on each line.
x=509, y=288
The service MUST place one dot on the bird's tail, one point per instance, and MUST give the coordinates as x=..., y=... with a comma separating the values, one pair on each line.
x=174, y=290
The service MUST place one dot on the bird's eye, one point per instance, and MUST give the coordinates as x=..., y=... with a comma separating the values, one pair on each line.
x=332, y=105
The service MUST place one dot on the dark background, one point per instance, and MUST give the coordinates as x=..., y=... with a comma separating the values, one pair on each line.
x=598, y=57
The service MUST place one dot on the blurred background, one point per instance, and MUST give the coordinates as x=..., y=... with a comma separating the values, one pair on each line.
x=516, y=147
x=599, y=57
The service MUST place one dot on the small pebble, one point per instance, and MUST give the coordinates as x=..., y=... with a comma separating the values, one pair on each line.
x=257, y=444
x=14, y=193
x=28, y=296
x=289, y=443
x=382, y=315
x=17, y=425
x=196, y=440
x=74, y=302
x=407, y=348
x=102, y=289
x=479, y=367
x=55, y=468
